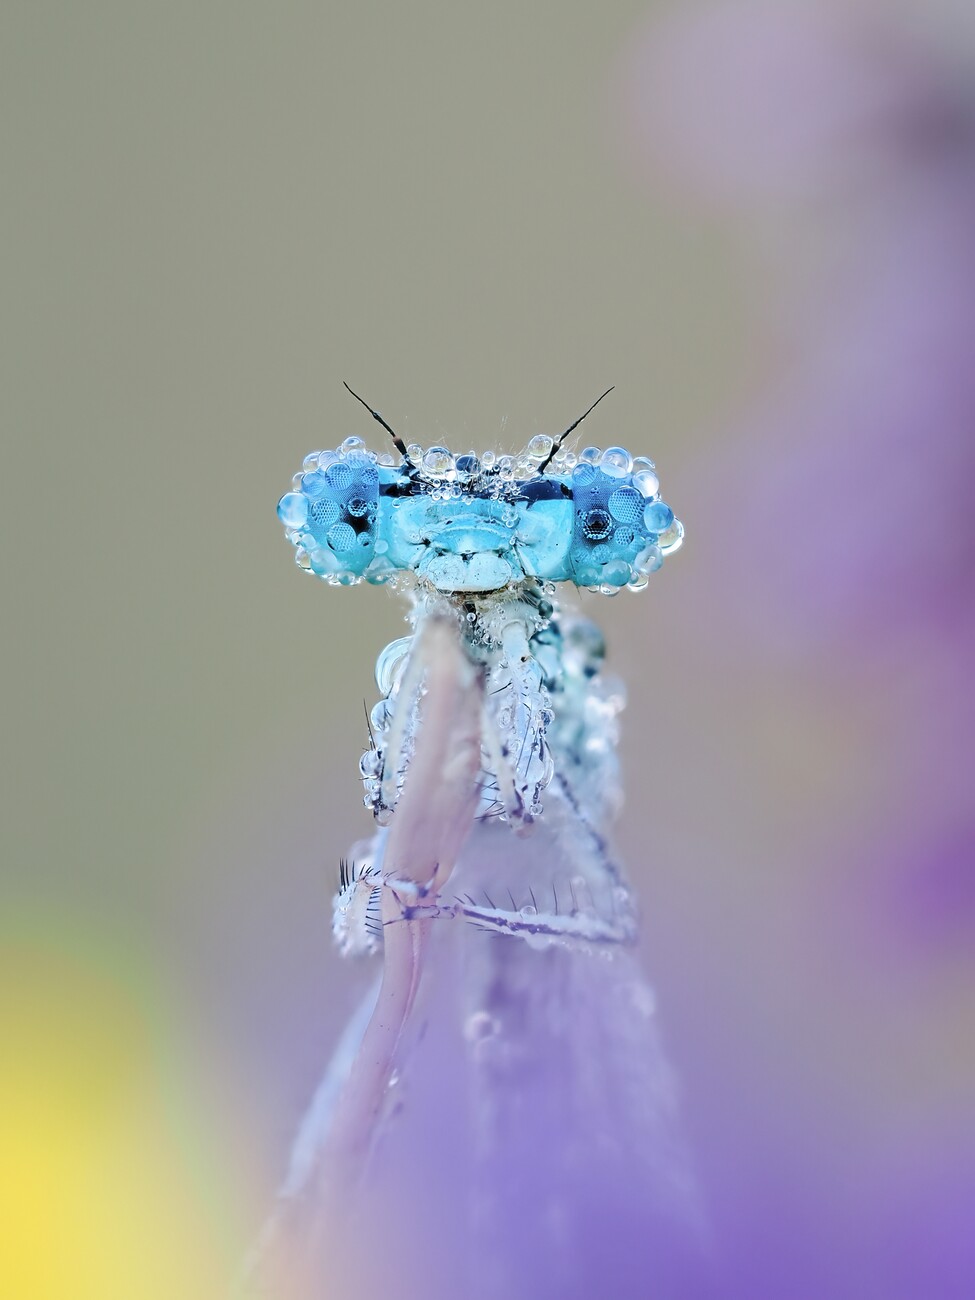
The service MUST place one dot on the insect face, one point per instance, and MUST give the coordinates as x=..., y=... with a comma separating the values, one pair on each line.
x=468, y=524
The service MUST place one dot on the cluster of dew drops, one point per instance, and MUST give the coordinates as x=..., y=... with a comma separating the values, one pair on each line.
x=497, y=476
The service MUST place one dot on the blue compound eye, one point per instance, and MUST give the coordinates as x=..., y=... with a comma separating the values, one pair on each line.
x=607, y=511
x=333, y=515
x=476, y=525
x=614, y=523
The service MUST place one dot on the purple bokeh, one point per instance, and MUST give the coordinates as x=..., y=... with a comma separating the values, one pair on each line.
x=839, y=539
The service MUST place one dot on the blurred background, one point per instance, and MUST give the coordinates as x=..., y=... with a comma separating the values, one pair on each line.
x=757, y=220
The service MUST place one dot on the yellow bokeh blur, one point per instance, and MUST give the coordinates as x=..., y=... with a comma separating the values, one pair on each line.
x=104, y=1185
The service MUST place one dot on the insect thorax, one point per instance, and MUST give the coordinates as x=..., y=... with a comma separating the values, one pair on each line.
x=547, y=706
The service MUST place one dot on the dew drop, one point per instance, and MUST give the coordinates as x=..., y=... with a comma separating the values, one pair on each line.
x=339, y=476
x=626, y=504
x=646, y=483
x=481, y=1026
x=293, y=509
x=658, y=517
x=649, y=560
x=616, y=462
x=439, y=462
x=314, y=484
x=672, y=539
x=389, y=661
x=341, y=537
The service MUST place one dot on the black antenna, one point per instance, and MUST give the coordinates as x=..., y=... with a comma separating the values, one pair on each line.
x=562, y=436
x=398, y=442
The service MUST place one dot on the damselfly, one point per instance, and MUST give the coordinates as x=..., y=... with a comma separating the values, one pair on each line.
x=483, y=541
x=491, y=771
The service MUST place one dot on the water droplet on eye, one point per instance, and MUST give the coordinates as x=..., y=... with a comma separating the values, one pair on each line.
x=293, y=509
x=324, y=513
x=358, y=507
x=338, y=477
x=480, y=1026
x=616, y=574
x=649, y=560
x=370, y=764
x=302, y=560
x=539, y=447
x=353, y=444
x=646, y=483
x=616, y=462
x=626, y=505
x=528, y=911
x=327, y=459
x=414, y=452
x=657, y=517
x=487, y=460
x=590, y=455
x=310, y=462
x=314, y=484
x=439, y=462
x=341, y=537
x=672, y=539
